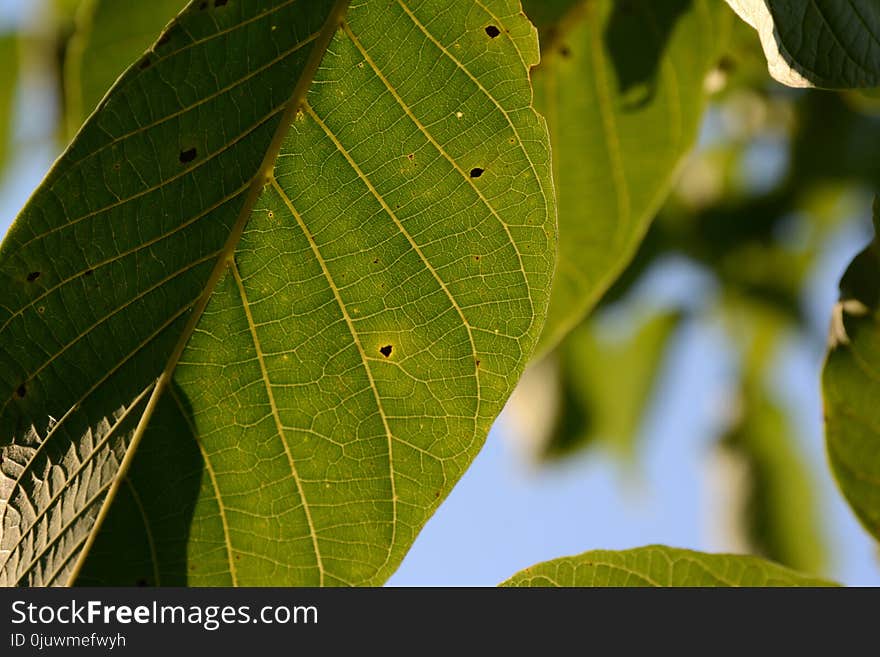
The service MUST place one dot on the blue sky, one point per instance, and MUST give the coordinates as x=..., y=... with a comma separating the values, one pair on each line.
x=507, y=514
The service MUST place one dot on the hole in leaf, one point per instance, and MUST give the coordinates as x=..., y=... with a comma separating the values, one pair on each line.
x=478, y=362
x=34, y=275
x=477, y=258
x=376, y=261
x=476, y=172
x=188, y=155
x=21, y=391
x=386, y=350
x=411, y=156
x=492, y=31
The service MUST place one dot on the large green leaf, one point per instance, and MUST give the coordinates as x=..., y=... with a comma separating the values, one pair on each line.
x=851, y=385
x=657, y=565
x=303, y=262
x=622, y=87
x=821, y=43
x=110, y=35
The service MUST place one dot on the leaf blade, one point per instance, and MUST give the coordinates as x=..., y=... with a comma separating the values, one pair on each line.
x=817, y=44
x=660, y=566
x=429, y=228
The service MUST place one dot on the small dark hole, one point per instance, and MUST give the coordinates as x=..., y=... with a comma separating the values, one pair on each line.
x=478, y=362
x=376, y=261
x=220, y=3
x=34, y=275
x=188, y=155
x=21, y=391
x=88, y=272
x=565, y=51
x=145, y=63
x=492, y=31
x=476, y=172
x=386, y=350
x=411, y=156
x=142, y=582
x=477, y=258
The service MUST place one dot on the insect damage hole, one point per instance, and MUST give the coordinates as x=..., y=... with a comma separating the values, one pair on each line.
x=21, y=391
x=476, y=172
x=386, y=350
x=492, y=31
x=188, y=155
x=34, y=275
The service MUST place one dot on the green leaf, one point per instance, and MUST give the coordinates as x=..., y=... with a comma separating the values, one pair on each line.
x=9, y=75
x=622, y=87
x=303, y=265
x=822, y=43
x=780, y=519
x=851, y=384
x=607, y=382
x=657, y=565
x=109, y=35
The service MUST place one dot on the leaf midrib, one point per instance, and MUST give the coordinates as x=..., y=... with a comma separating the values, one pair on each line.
x=297, y=97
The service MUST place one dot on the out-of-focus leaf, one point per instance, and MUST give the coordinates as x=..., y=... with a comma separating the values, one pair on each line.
x=781, y=516
x=851, y=385
x=305, y=253
x=607, y=383
x=658, y=565
x=622, y=87
x=110, y=34
x=822, y=43
x=8, y=85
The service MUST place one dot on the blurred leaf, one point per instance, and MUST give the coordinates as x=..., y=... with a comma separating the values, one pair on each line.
x=9, y=65
x=110, y=34
x=822, y=43
x=658, y=565
x=622, y=87
x=781, y=513
x=607, y=383
x=851, y=385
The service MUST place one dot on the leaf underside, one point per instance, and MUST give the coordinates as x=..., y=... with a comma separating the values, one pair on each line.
x=851, y=384
x=660, y=566
x=307, y=308
x=110, y=35
x=823, y=43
